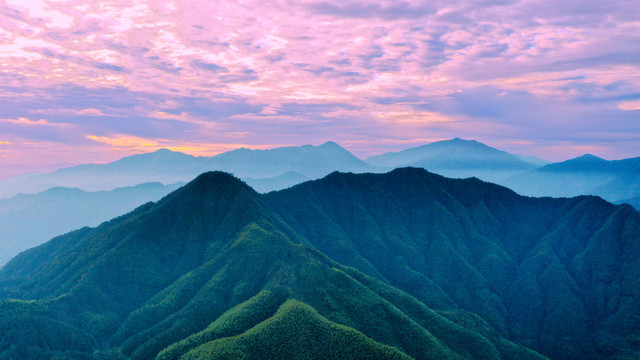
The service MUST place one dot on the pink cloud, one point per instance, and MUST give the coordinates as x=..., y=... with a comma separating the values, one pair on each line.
x=308, y=71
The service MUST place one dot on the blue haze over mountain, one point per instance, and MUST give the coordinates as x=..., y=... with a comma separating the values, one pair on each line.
x=167, y=167
x=30, y=220
x=275, y=169
x=613, y=180
x=459, y=158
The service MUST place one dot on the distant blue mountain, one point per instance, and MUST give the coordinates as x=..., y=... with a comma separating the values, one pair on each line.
x=29, y=220
x=310, y=161
x=279, y=182
x=613, y=180
x=167, y=167
x=459, y=158
x=635, y=202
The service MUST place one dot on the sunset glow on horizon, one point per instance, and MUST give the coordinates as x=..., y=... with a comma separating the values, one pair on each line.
x=95, y=81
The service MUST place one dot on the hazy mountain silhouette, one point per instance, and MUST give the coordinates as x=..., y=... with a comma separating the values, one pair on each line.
x=460, y=159
x=279, y=182
x=169, y=167
x=163, y=166
x=310, y=161
x=533, y=160
x=30, y=220
x=587, y=174
x=635, y=202
x=435, y=268
x=11, y=170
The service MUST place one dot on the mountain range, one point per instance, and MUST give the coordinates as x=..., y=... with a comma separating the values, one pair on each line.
x=459, y=158
x=279, y=168
x=27, y=221
x=269, y=168
x=588, y=174
x=30, y=220
x=402, y=265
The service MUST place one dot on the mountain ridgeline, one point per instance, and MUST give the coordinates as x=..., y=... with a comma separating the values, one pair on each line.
x=30, y=220
x=460, y=159
x=266, y=169
x=402, y=265
x=615, y=180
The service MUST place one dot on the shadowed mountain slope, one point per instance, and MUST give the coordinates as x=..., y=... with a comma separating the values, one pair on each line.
x=396, y=265
x=635, y=202
x=548, y=273
x=209, y=272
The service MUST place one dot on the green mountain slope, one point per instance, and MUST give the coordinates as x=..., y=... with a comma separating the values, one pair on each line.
x=204, y=271
x=547, y=273
x=403, y=264
x=296, y=331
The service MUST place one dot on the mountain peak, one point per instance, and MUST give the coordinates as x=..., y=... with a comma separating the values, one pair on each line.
x=453, y=155
x=218, y=180
x=589, y=157
x=164, y=151
x=330, y=145
x=586, y=162
x=458, y=141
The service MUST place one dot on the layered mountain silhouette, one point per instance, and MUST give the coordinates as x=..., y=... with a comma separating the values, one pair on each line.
x=279, y=168
x=312, y=162
x=635, y=202
x=30, y=220
x=266, y=168
x=459, y=158
x=401, y=265
x=279, y=182
x=613, y=180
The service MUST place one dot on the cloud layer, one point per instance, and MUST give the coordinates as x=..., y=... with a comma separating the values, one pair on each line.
x=92, y=81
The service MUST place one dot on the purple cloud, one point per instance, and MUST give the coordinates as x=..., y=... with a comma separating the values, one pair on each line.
x=538, y=77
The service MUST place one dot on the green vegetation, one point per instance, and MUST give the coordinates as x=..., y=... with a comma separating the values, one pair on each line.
x=400, y=265
x=296, y=332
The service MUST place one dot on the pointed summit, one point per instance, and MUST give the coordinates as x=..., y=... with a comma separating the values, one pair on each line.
x=455, y=154
x=331, y=145
x=218, y=182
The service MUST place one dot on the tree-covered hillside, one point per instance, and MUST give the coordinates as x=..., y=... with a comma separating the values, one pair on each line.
x=400, y=265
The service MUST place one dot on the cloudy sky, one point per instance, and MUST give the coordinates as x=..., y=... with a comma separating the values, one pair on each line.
x=92, y=81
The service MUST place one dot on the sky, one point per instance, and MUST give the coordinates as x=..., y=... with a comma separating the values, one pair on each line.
x=93, y=81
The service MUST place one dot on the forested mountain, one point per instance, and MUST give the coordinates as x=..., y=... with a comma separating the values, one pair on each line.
x=613, y=180
x=401, y=265
x=459, y=158
x=268, y=168
x=635, y=202
x=30, y=220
